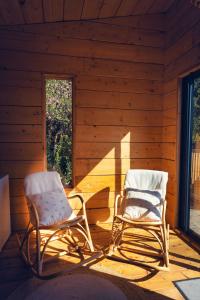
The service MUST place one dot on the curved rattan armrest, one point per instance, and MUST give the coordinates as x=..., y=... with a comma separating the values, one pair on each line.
x=164, y=209
x=34, y=213
x=118, y=197
x=80, y=197
x=77, y=196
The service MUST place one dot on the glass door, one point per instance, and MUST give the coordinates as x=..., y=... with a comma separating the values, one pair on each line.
x=190, y=156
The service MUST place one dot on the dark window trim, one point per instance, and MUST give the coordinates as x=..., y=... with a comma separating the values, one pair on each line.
x=185, y=154
x=55, y=76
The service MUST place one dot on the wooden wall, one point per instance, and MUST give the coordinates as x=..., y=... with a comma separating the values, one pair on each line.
x=118, y=73
x=181, y=57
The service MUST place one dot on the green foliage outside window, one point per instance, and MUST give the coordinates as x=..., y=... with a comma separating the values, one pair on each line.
x=59, y=127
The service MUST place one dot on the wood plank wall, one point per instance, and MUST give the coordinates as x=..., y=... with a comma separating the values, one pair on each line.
x=181, y=57
x=118, y=73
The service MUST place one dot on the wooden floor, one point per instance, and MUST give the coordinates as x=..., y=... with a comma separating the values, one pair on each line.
x=184, y=263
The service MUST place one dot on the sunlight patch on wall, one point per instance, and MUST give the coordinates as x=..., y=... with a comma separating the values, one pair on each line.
x=125, y=152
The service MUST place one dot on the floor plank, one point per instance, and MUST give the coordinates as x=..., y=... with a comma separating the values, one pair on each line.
x=184, y=263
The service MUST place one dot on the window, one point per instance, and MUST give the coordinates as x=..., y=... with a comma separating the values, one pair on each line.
x=59, y=127
x=190, y=156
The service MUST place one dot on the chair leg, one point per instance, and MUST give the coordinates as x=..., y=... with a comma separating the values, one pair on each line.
x=24, y=245
x=119, y=237
x=115, y=242
x=37, y=265
x=89, y=235
x=116, y=236
x=168, y=236
x=166, y=244
x=39, y=261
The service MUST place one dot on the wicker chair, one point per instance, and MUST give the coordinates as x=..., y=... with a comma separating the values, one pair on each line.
x=142, y=205
x=52, y=218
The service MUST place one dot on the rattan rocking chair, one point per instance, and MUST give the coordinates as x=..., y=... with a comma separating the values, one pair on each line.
x=143, y=206
x=50, y=211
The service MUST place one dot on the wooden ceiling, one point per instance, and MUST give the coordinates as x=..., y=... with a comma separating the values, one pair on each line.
x=44, y=11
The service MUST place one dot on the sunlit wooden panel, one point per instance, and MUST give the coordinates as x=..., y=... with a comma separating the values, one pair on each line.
x=99, y=199
x=96, y=184
x=100, y=215
x=93, y=150
x=113, y=166
x=101, y=167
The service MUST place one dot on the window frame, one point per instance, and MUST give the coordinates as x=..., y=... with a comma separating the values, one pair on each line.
x=54, y=76
x=185, y=153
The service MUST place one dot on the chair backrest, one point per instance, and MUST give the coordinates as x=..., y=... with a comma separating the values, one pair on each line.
x=149, y=180
x=145, y=195
x=42, y=182
x=46, y=192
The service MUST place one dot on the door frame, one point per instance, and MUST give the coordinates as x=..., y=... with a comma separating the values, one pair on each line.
x=185, y=153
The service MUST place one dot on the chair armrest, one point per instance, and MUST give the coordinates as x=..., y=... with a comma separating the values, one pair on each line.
x=80, y=197
x=34, y=213
x=77, y=196
x=118, y=197
x=164, y=210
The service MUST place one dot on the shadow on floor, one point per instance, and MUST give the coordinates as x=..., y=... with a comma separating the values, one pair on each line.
x=13, y=272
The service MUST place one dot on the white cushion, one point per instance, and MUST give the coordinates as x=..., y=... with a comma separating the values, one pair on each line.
x=42, y=182
x=143, y=205
x=146, y=180
x=52, y=207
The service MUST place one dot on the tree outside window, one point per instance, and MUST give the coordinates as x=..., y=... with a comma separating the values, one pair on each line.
x=59, y=127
